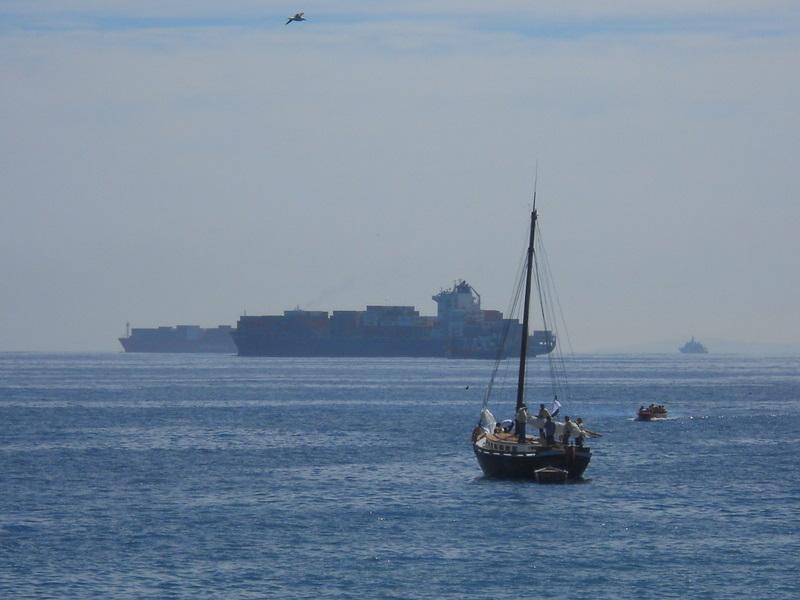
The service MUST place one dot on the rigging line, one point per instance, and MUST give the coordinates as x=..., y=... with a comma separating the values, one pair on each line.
x=544, y=299
x=514, y=308
x=558, y=302
x=501, y=351
x=498, y=359
x=560, y=313
x=506, y=327
x=555, y=357
x=544, y=319
x=558, y=359
x=548, y=293
x=513, y=302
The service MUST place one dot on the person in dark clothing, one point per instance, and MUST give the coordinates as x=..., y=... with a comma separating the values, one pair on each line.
x=543, y=414
x=549, y=431
x=520, y=420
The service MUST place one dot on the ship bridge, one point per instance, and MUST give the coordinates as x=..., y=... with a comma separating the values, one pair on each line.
x=461, y=297
x=456, y=307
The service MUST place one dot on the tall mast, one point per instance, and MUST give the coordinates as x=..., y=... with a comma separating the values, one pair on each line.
x=524, y=345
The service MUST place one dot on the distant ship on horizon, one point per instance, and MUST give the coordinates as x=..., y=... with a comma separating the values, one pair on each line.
x=461, y=329
x=693, y=347
x=179, y=339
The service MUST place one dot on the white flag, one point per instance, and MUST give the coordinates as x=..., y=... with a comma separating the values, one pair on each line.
x=555, y=407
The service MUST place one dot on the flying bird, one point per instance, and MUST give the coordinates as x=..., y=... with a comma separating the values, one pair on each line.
x=298, y=17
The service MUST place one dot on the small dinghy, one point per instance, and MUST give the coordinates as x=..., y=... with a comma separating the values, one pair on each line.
x=651, y=413
x=550, y=475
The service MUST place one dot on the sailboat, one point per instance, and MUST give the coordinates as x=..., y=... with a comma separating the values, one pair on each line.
x=505, y=454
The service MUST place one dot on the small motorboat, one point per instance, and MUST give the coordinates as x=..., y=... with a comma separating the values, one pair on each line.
x=550, y=475
x=651, y=413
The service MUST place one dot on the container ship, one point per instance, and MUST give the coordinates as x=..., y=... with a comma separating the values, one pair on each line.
x=460, y=329
x=181, y=338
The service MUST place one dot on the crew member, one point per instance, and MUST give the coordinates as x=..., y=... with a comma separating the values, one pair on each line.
x=550, y=431
x=578, y=431
x=520, y=420
x=569, y=429
x=543, y=414
x=585, y=431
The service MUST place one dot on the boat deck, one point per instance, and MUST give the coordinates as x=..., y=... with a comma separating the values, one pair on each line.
x=505, y=441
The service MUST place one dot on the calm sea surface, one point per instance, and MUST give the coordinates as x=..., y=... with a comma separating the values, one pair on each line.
x=169, y=476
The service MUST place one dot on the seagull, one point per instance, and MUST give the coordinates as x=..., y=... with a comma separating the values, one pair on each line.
x=298, y=17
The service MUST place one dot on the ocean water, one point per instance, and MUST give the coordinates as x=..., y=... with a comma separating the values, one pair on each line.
x=170, y=476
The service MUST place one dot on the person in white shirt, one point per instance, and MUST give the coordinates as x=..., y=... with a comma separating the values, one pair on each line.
x=570, y=429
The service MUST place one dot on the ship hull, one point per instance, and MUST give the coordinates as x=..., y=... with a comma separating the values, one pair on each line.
x=177, y=346
x=321, y=346
x=356, y=346
x=497, y=465
x=181, y=339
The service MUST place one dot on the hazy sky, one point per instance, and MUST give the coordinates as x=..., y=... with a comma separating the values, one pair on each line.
x=181, y=162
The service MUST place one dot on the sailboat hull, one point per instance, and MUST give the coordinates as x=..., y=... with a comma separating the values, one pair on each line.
x=503, y=465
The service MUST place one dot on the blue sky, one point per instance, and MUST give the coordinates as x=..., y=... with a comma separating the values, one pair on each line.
x=173, y=163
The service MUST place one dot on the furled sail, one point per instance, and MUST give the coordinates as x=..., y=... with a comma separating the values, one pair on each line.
x=487, y=421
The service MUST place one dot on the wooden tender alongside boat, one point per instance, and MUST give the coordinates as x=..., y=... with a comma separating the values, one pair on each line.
x=550, y=475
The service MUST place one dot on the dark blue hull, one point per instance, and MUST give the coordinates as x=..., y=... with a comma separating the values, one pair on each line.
x=503, y=465
x=326, y=346
x=355, y=346
x=216, y=343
